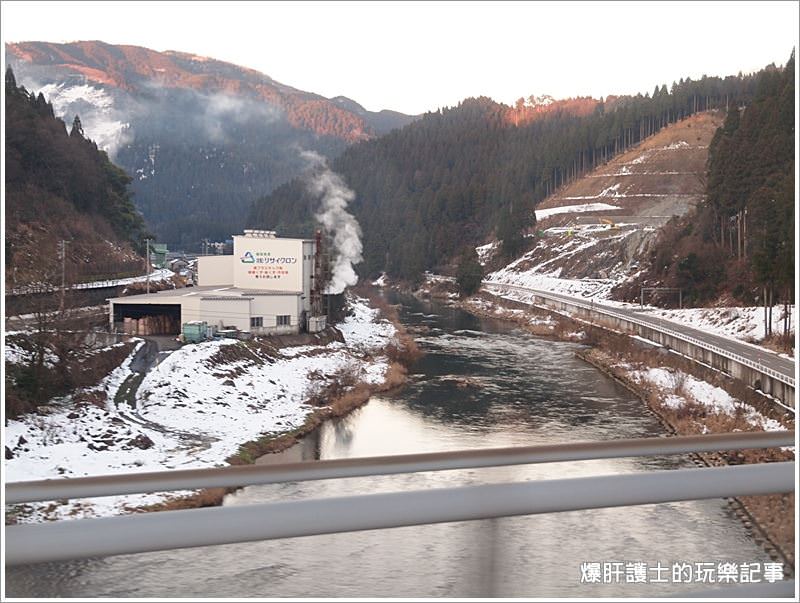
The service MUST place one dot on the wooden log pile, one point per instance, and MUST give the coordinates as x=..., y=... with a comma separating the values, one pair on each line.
x=161, y=324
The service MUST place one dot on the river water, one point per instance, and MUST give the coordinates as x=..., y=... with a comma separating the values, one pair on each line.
x=522, y=390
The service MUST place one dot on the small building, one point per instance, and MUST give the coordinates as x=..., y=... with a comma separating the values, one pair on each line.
x=158, y=254
x=265, y=287
x=178, y=264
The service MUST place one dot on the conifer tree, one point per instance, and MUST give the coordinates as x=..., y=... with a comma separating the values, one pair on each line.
x=469, y=274
x=77, y=128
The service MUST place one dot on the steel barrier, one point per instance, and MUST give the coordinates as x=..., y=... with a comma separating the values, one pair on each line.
x=226, y=477
x=145, y=532
x=650, y=325
x=74, y=539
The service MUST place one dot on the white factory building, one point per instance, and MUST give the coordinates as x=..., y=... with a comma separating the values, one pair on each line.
x=265, y=287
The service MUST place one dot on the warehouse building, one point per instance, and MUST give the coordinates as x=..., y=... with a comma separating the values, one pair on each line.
x=268, y=286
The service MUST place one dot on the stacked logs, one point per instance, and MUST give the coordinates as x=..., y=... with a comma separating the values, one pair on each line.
x=161, y=324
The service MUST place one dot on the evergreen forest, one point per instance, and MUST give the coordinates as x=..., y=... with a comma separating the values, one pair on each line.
x=463, y=174
x=740, y=241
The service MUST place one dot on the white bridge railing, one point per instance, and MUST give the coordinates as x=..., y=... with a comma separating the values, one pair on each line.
x=75, y=539
x=782, y=377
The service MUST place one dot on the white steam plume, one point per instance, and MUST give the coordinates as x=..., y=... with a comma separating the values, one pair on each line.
x=338, y=223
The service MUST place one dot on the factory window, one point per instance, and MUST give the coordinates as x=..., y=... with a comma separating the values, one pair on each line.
x=284, y=321
x=256, y=321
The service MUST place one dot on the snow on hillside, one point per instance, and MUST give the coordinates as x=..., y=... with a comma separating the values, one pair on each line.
x=485, y=252
x=582, y=288
x=192, y=410
x=541, y=214
x=587, y=257
x=542, y=267
x=17, y=349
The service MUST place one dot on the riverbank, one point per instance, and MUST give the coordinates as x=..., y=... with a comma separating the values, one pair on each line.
x=688, y=399
x=196, y=409
x=340, y=397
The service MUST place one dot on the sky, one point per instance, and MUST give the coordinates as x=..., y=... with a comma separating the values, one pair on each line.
x=416, y=57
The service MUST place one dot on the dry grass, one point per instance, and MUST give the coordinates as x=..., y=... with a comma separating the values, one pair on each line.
x=211, y=497
x=405, y=351
x=396, y=375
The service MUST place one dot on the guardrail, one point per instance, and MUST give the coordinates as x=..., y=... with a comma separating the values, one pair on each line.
x=783, y=378
x=227, y=477
x=226, y=525
x=74, y=539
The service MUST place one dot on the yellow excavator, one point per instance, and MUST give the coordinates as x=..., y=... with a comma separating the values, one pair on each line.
x=610, y=223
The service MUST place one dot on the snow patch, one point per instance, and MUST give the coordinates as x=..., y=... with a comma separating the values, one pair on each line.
x=573, y=209
x=678, y=385
x=485, y=252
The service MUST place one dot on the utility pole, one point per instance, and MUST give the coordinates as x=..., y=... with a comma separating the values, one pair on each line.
x=147, y=262
x=63, y=273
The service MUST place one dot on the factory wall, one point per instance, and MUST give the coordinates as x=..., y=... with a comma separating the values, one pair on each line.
x=270, y=307
x=225, y=312
x=271, y=264
x=215, y=270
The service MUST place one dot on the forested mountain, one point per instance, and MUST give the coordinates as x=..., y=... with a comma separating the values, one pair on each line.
x=449, y=180
x=59, y=186
x=201, y=138
x=741, y=239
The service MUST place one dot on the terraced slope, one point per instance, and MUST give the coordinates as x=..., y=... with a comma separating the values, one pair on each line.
x=597, y=228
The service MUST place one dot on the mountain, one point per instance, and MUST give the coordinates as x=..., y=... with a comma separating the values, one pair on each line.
x=59, y=186
x=738, y=244
x=462, y=175
x=596, y=233
x=201, y=138
x=380, y=122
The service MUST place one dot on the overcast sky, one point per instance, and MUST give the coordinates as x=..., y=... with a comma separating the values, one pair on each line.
x=414, y=57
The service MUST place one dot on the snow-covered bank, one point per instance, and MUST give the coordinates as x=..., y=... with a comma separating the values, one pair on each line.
x=680, y=390
x=193, y=410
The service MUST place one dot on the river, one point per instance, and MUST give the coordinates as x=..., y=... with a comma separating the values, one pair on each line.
x=522, y=390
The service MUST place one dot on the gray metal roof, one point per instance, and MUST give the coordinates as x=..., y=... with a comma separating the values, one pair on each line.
x=227, y=292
